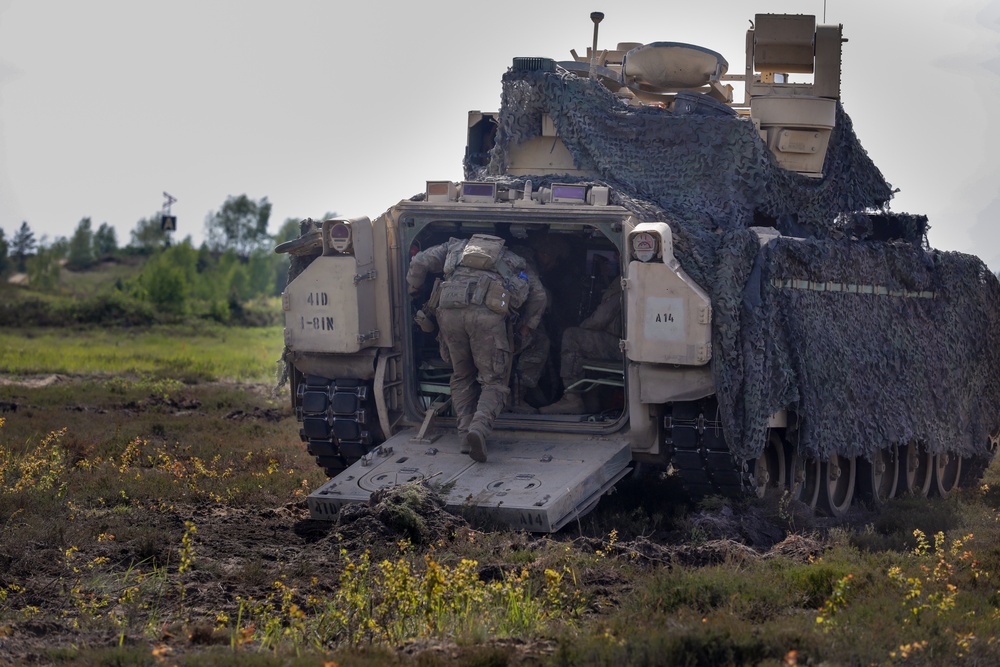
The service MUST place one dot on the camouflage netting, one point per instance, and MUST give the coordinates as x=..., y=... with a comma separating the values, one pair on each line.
x=916, y=358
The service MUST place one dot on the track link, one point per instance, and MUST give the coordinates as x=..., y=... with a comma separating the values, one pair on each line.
x=334, y=420
x=699, y=452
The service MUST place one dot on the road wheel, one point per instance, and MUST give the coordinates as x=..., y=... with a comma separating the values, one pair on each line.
x=768, y=472
x=916, y=470
x=877, y=478
x=947, y=471
x=804, y=479
x=839, y=474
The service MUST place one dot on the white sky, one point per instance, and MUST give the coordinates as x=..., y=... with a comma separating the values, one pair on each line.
x=349, y=107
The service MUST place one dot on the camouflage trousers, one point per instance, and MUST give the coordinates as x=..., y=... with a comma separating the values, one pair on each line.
x=476, y=342
x=578, y=345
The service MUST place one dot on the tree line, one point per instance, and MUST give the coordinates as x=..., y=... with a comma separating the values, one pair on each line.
x=233, y=265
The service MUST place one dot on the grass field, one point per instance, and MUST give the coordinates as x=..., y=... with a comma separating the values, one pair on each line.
x=188, y=353
x=151, y=513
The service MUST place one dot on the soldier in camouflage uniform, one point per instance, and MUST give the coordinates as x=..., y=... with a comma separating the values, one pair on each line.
x=596, y=338
x=484, y=285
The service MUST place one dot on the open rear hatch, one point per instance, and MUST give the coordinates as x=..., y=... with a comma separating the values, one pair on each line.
x=532, y=481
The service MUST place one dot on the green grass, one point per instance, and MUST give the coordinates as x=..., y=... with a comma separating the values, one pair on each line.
x=187, y=353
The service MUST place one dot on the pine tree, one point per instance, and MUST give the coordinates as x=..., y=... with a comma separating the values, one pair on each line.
x=105, y=241
x=22, y=246
x=81, y=246
x=4, y=259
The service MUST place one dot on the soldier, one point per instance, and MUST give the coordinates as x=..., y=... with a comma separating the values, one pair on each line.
x=484, y=285
x=596, y=338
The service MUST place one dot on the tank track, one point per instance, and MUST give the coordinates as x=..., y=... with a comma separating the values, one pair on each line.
x=699, y=453
x=334, y=421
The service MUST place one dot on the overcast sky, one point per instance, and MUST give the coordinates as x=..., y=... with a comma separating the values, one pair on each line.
x=349, y=107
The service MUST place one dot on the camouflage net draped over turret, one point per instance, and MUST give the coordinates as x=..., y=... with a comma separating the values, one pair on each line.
x=864, y=334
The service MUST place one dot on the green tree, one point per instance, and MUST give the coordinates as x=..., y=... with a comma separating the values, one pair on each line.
x=22, y=246
x=43, y=269
x=261, y=269
x=240, y=225
x=81, y=246
x=167, y=288
x=169, y=276
x=105, y=241
x=59, y=248
x=239, y=283
x=148, y=235
x=185, y=257
x=205, y=259
x=4, y=259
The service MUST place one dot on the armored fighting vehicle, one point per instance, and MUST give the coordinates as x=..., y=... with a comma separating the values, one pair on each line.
x=782, y=331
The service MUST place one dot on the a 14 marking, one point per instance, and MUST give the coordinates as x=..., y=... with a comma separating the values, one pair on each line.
x=664, y=320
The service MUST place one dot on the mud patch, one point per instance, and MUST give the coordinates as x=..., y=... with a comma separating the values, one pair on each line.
x=85, y=408
x=750, y=525
x=798, y=548
x=184, y=404
x=265, y=414
x=409, y=511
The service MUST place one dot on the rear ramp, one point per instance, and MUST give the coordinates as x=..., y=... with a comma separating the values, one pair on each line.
x=530, y=482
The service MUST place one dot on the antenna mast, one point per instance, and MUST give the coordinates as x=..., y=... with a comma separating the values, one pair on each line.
x=596, y=17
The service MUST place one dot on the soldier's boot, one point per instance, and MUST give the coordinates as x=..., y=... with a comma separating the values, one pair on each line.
x=463, y=429
x=569, y=404
x=519, y=406
x=475, y=442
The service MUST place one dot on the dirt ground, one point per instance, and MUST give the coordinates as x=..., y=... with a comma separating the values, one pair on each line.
x=240, y=553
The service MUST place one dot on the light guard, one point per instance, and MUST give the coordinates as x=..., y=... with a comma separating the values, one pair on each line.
x=563, y=193
x=479, y=192
x=441, y=191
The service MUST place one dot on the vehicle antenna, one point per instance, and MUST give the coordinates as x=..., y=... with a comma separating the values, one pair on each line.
x=596, y=17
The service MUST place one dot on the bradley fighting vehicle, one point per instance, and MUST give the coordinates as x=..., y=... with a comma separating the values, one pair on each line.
x=783, y=330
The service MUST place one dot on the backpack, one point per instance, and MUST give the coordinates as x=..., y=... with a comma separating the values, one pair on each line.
x=485, y=252
x=482, y=251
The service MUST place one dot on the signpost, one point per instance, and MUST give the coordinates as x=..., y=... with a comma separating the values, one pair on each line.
x=168, y=222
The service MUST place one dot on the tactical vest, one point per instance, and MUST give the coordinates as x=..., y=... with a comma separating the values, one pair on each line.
x=482, y=271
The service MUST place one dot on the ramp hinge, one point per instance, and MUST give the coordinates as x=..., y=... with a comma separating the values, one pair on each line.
x=358, y=277
x=371, y=335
